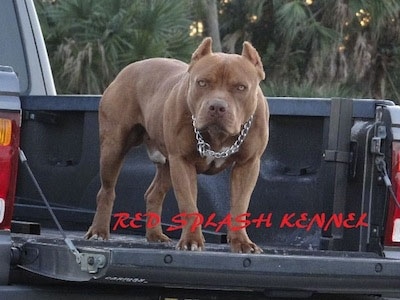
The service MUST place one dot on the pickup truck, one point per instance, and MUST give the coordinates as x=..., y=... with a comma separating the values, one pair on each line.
x=325, y=209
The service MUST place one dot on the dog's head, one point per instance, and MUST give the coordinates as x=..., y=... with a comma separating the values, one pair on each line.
x=223, y=88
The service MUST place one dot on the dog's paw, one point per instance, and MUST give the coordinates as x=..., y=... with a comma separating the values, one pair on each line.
x=191, y=242
x=240, y=247
x=95, y=233
x=191, y=245
x=157, y=237
x=242, y=244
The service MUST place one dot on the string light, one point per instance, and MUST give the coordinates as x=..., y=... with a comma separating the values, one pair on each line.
x=364, y=17
x=196, y=28
x=253, y=19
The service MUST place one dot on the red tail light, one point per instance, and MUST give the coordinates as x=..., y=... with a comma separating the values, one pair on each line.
x=392, y=232
x=9, y=143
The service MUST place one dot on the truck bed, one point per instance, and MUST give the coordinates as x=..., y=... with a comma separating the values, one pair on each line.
x=302, y=178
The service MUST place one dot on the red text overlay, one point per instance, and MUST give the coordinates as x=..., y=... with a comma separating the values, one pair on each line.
x=304, y=221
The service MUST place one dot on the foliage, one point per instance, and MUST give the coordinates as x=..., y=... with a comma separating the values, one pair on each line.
x=89, y=41
x=348, y=48
x=319, y=46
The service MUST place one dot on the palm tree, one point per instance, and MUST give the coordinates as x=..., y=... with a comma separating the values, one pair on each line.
x=368, y=41
x=316, y=47
x=89, y=41
x=343, y=46
x=350, y=42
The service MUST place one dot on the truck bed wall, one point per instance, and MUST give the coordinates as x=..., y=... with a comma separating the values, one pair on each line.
x=60, y=139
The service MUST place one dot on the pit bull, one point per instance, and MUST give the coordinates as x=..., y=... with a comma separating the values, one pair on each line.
x=200, y=117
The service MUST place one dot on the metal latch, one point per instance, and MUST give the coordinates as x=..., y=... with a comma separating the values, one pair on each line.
x=376, y=142
x=338, y=156
x=41, y=116
x=91, y=262
x=381, y=166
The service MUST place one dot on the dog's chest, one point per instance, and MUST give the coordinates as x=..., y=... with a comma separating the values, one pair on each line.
x=216, y=162
x=212, y=165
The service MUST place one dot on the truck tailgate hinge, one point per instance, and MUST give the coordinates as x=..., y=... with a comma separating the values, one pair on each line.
x=91, y=262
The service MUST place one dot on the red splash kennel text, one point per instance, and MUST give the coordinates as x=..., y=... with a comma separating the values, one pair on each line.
x=304, y=221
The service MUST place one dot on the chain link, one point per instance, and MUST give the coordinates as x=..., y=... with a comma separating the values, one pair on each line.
x=204, y=148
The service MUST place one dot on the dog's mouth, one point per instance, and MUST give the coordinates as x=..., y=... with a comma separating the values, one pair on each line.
x=214, y=129
x=217, y=129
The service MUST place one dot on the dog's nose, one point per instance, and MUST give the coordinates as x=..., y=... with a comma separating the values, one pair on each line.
x=217, y=107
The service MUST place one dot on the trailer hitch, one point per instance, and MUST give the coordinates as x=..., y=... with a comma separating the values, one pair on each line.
x=89, y=262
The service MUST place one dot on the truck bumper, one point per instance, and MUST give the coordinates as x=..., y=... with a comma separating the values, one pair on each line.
x=392, y=252
x=5, y=256
x=314, y=273
x=275, y=270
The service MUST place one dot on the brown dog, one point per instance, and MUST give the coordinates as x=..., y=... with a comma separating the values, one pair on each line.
x=196, y=118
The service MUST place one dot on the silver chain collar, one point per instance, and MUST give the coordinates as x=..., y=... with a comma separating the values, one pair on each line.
x=204, y=148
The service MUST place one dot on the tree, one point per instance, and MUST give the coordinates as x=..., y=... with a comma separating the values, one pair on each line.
x=211, y=19
x=325, y=48
x=319, y=47
x=90, y=41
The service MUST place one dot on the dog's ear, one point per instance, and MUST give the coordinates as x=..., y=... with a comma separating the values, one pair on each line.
x=251, y=54
x=204, y=49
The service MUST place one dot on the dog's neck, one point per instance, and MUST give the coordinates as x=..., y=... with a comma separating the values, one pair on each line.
x=206, y=149
x=218, y=139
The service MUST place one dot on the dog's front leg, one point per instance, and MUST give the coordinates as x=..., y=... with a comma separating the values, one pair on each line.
x=184, y=181
x=243, y=180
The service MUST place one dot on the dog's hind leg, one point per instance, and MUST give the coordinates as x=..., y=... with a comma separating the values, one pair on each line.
x=154, y=196
x=115, y=141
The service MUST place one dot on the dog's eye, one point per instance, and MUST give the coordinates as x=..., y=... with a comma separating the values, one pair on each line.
x=202, y=83
x=241, y=87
